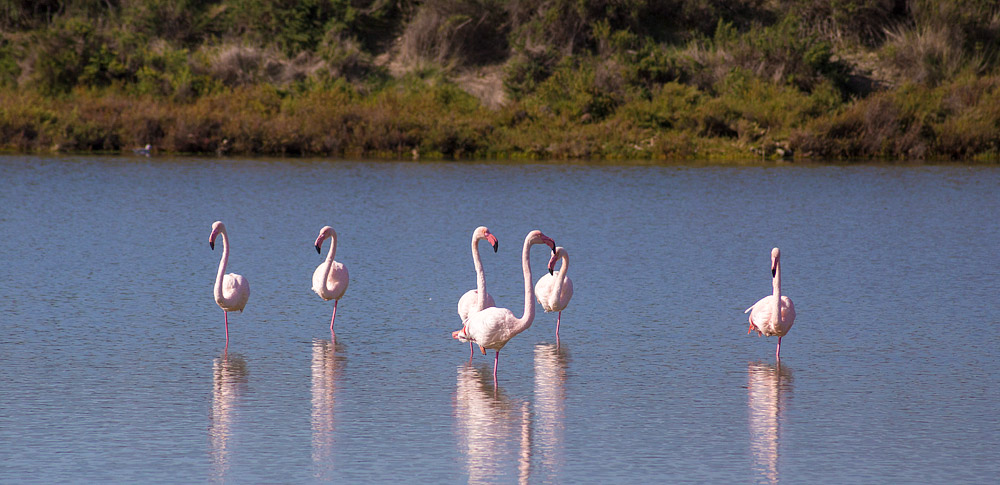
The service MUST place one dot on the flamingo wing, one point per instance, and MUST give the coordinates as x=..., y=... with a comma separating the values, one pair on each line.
x=491, y=328
x=236, y=291
x=467, y=304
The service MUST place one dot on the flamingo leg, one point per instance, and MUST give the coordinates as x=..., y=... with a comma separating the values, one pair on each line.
x=558, y=319
x=334, y=317
x=496, y=362
x=471, y=352
x=226, y=316
x=777, y=353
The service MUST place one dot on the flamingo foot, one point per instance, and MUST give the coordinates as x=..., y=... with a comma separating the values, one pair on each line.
x=481, y=349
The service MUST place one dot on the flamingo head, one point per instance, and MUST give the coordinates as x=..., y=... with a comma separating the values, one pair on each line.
x=217, y=228
x=460, y=335
x=482, y=232
x=558, y=253
x=775, y=259
x=324, y=233
x=493, y=241
x=536, y=237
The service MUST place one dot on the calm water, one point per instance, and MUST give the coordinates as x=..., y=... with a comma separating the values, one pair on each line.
x=112, y=361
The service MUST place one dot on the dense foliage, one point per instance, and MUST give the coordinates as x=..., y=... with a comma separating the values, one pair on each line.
x=654, y=79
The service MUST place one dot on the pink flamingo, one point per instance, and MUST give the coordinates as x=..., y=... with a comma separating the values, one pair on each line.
x=330, y=278
x=231, y=290
x=493, y=327
x=774, y=314
x=555, y=290
x=476, y=300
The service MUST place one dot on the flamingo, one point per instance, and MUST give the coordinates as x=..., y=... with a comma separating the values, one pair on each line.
x=231, y=290
x=493, y=327
x=476, y=300
x=774, y=314
x=555, y=290
x=330, y=278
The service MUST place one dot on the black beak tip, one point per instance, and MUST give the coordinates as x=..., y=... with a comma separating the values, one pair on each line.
x=496, y=247
x=773, y=272
x=550, y=271
x=211, y=244
x=318, y=250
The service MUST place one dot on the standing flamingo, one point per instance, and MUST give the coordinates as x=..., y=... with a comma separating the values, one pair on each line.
x=493, y=327
x=774, y=314
x=554, y=291
x=476, y=300
x=231, y=290
x=330, y=278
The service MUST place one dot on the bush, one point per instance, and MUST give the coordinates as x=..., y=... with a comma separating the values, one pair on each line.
x=456, y=33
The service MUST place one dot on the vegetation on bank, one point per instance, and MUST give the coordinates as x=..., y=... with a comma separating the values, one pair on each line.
x=634, y=79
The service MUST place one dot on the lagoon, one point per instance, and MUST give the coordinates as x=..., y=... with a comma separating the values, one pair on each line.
x=113, y=364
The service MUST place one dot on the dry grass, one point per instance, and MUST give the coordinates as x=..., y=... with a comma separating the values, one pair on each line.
x=926, y=54
x=454, y=34
x=239, y=65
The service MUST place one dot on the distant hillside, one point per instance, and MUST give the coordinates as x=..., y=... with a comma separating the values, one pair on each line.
x=891, y=79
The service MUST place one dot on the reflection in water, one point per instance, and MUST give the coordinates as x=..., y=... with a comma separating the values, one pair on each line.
x=550, y=406
x=229, y=383
x=768, y=392
x=326, y=367
x=494, y=430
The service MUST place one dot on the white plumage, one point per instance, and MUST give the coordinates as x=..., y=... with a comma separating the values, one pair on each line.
x=774, y=314
x=493, y=327
x=471, y=302
x=330, y=278
x=554, y=290
x=231, y=290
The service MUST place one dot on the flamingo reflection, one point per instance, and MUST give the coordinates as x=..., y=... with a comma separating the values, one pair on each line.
x=326, y=367
x=768, y=392
x=229, y=383
x=494, y=431
x=550, y=406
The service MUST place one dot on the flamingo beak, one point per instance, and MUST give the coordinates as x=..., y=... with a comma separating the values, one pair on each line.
x=211, y=244
x=493, y=240
x=550, y=243
x=318, y=250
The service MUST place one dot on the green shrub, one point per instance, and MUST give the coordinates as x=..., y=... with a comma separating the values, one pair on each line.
x=9, y=68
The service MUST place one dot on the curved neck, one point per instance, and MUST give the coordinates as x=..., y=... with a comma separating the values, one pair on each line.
x=330, y=255
x=528, y=316
x=222, y=266
x=333, y=248
x=565, y=266
x=776, y=289
x=480, y=276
